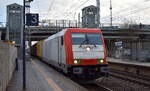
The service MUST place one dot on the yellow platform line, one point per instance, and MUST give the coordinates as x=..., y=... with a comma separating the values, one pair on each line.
x=47, y=78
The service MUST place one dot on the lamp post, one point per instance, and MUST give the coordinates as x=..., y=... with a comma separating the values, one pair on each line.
x=23, y=43
x=23, y=48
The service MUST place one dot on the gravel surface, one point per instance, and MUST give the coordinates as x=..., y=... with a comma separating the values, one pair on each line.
x=117, y=84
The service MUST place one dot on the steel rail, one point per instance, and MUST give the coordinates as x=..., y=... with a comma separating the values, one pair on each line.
x=139, y=79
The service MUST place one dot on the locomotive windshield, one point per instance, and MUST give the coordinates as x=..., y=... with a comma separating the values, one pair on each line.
x=86, y=38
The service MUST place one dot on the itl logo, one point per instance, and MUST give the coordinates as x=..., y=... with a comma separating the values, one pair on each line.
x=15, y=11
x=87, y=47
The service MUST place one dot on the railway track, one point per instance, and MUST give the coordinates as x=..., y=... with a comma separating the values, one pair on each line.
x=96, y=87
x=135, y=78
x=123, y=81
x=104, y=87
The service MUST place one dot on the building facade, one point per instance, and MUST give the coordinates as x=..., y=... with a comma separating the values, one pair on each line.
x=14, y=22
x=89, y=17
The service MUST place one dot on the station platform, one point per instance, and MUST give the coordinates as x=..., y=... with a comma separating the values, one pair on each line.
x=40, y=77
x=130, y=66
x=129, y=62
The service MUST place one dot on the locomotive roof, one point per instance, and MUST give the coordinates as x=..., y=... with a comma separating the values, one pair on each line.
x=61, y=33
x=57, y=34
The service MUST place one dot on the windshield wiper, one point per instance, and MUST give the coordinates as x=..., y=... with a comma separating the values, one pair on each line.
x=83, y=42
x=87, y=41
x=90, y=42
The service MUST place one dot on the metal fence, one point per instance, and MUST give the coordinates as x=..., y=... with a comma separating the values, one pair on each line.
x=59, y=23
x=76, y=24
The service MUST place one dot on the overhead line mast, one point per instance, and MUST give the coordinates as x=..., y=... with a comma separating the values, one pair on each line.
x=98, y=13
x=110, y=13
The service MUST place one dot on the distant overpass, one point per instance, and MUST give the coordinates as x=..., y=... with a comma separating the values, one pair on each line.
x=39, y=33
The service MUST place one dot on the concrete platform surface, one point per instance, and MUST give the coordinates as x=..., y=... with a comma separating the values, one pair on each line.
x=129, y=62
x=41, y=77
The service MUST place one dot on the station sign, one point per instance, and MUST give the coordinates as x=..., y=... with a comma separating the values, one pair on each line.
x=32, y=19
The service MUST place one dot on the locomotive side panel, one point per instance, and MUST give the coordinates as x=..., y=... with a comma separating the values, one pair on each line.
x=61, y=50
x=53, y=52
x=44, y=51
x=53, y=49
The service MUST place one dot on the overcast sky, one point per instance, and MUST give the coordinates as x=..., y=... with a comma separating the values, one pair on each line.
x=123, y=10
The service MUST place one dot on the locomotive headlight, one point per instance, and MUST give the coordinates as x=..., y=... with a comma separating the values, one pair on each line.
x=88, y=49
x=100, y=61
x=76, y=61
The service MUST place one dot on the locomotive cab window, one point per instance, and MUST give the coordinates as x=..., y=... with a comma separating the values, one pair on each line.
x=86, y=38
